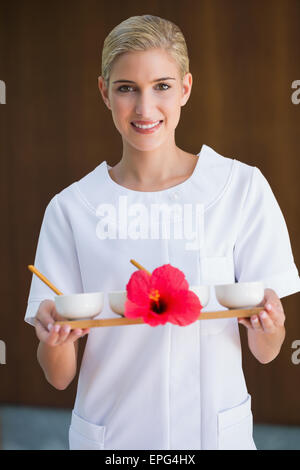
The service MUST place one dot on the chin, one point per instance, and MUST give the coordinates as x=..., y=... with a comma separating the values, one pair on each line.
x=144, y=148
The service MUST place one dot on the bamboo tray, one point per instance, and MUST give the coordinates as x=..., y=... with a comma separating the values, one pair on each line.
x=238, y=313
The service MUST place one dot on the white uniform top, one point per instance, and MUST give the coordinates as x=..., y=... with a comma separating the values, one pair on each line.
x=164, y=387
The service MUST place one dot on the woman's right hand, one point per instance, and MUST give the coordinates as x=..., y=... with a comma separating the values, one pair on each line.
x=58, y=334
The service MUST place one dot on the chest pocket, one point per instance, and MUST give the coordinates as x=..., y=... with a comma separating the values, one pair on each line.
x=215, y=270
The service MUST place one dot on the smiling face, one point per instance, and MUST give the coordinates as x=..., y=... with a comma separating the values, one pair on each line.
x=136, y=97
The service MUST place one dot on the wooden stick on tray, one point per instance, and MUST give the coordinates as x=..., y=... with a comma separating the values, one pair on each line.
x=239, y=313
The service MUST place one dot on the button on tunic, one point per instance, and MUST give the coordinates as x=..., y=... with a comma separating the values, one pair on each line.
x=164, y=387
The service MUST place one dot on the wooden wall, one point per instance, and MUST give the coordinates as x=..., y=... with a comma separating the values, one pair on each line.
x=54, y=129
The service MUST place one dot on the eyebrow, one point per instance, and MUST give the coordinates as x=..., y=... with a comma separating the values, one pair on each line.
x=156, y=80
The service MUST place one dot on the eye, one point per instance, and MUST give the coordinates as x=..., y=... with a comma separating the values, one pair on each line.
x=159, y=84
x=123, y=86
x=165, y=84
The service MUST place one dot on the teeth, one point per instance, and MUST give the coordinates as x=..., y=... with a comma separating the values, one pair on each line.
x=146, y=127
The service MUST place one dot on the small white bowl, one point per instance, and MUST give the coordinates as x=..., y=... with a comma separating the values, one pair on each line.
x=77, y=306
x=240, y=294
x=202, y=292
x=118, y=298
x=117, y=301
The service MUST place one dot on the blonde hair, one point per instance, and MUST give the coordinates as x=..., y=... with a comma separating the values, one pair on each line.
x=141, y=33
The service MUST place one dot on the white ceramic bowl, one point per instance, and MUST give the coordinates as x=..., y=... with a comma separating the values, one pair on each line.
x=240, y=294
x=118, y=298
x=76, y=306
x=202, y=292
x=117, y=301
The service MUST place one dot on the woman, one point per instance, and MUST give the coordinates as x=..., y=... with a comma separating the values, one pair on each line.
x=167, y=387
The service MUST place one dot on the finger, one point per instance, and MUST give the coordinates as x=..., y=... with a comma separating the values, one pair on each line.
x=85, y=331
x=245, y=322
x=63, y=333
x=44, y=320
x=53, y=335
x=48, y=312
x=46, y=315
x=270, y=296
x=77, y=332
x=276, y=313
x=66, y=335
x=45, y=312
x=73, y=336
x=41, y=331
x=267, y=322
x=54, y=313
x=256, y=323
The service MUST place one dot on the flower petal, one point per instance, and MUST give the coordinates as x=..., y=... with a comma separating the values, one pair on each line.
x=138, y=288
x=133, y=310
x=177, y=303
x=155, y=319
x=167, y=279
x=186, y=309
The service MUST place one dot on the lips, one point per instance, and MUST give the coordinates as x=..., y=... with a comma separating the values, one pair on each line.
x=146, y=123
x=149, y=130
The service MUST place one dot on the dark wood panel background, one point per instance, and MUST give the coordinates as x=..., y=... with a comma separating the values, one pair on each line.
x=54, y=129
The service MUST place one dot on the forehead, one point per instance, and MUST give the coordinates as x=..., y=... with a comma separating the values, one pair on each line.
x=135, y=65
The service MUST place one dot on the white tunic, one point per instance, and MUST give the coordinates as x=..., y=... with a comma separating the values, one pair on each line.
x=164, y=387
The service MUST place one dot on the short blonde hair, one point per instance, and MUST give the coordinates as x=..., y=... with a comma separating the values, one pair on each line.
x=141, y=33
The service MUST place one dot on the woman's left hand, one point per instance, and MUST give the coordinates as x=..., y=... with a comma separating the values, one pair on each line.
x=270, y=319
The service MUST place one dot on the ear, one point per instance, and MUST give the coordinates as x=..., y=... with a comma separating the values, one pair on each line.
x=186, y=88
x=104, y=91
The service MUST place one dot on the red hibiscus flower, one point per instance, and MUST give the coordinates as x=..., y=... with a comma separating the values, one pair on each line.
x=162, y=296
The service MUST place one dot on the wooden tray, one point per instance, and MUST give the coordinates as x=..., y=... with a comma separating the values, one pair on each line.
x=239, y=313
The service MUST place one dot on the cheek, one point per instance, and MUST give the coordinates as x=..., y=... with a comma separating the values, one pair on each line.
x=173, y=112
x=171, y=104
x=120, y=112
x=119, y=106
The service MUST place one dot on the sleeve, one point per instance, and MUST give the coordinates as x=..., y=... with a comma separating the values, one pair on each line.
x=262, y=250
x=56, y=258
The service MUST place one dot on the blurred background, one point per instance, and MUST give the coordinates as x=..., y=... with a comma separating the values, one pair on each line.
x=55, y=128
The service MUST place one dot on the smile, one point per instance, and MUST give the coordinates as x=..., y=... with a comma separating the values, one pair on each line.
x=147, y=129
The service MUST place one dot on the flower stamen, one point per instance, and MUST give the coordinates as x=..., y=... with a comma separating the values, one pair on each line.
x=154, y=295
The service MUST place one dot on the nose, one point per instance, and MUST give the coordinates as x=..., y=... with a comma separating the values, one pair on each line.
x=145, y=104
